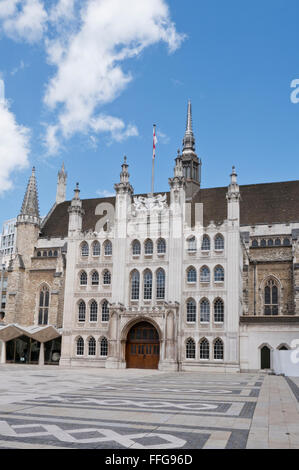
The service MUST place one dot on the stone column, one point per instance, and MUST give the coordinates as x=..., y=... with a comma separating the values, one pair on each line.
x=41, y=359
x=3, y=352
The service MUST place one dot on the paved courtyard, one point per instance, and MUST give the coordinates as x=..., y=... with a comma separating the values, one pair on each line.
x=50, y=407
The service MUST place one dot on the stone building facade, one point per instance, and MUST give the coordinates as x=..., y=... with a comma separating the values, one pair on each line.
x=192, y=279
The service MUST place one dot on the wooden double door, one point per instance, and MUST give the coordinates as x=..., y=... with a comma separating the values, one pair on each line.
x=143, y=347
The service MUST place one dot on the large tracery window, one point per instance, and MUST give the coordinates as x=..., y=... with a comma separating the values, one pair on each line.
x=44, y=299
x=147, y=285
x=190, y=349
x=135, y=284
x=160, y=284
x=271, y=298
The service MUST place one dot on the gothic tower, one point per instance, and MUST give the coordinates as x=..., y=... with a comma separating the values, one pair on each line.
x=190, y=161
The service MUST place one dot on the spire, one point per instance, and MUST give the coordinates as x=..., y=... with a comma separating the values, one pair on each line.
x=61, y=185
x=30, y=211
x=189, y=139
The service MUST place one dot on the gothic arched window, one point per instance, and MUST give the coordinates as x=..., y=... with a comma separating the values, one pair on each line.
x=204, y=310
x=135, y=284
x=105, y=311
x=107, y=248
x=91, y=347
x=147, y=285
x=80, y=346
x=255, y=243
x=83, y=278
x=218, y=349
x=277, y=242
x=218, y=274
x=106, y=277
x=191, y=244
x=104, y=347
x=190, y=349
x=84, y=249
x=136, y=247
x=148, y=247
x=191, y=311
x=218, y=310
x=271, y=298
x=96, y=248
x=204, y=274
x=93, y=311
x=81, y=310
x=95, y=278
x=160, y=284
x=219, y=242
x=204, y=349
x=206, y=243
x=44, y=300
x=161, y=246
x=191, y=274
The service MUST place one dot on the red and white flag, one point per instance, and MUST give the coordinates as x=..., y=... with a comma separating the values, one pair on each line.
x=155, y=140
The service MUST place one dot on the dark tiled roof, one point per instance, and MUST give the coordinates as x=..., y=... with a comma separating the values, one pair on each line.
x=264, y=203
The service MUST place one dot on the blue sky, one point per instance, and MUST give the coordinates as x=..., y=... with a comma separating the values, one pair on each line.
x=235, y=60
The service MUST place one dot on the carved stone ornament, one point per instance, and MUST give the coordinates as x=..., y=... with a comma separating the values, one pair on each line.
x=150, y=203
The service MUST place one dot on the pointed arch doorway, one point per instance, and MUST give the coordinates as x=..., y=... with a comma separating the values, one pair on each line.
x=143, y=346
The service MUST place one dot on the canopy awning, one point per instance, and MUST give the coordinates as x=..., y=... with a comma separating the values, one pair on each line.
x=39, y=333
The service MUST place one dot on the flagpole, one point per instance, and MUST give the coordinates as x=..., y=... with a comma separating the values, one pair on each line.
x=153, y=159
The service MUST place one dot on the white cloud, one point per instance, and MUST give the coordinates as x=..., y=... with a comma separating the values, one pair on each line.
x=104, y=193
x=14, y=146
x=163, y=138
x=88, y=42
x=63, y=10
x=89, y=61
x=23, y=19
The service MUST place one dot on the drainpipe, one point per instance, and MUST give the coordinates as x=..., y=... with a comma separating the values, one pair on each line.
x=254, y=288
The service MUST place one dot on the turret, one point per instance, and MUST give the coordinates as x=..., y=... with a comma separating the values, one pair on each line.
x=76, y=211
x=233, y=199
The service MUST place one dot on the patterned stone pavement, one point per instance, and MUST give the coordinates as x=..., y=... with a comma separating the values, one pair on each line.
x=51, y=407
